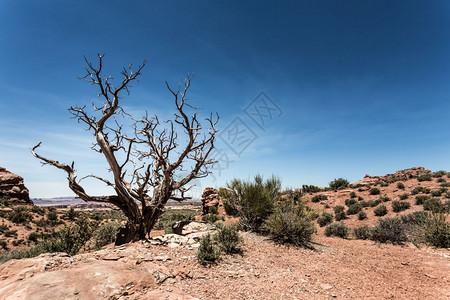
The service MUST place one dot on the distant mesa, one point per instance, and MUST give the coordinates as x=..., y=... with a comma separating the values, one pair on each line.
x=399, y=175
x=13, y=187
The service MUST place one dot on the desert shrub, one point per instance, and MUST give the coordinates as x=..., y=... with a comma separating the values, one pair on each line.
x=339, y=183
x=439, y=173
x=228, y=239
x=362, y=215
x=389, y=230
x=229, y=209
x=4, y=201
x=437, y=231
x=434, y=205
x=310, y=189
x=71, y=214
x=325, y=219
x=10, y=233
x=415, y=218
x=339, y=216
x=105, y=234
x=384, y=199
x=37, y=210
x=3, y=245
x=374, y=191
x=398, y=206
x=403, y=196
x=380, y=211
x=366, y=203
x=421, y=199
x=254, y=200
x=214, y=210
x=400, y=186
x=290, y=224
x=3, y=228
x=337, y=229
x=354, y=209
x=362, y=232
x=441, y=180
x=208, y=252
x=352, y=194
x=52, y=217
x=338, y=209
x=33, y=237
x=318, y=198
x=420, y=189
x=424, y=177
x=211, y=218
x=445, y=183
x=19, y=215
x=350, y=202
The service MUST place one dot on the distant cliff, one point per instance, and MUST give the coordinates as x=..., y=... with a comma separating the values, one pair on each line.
x=13, y=187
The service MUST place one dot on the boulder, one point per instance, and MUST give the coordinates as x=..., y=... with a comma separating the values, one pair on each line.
x=210, y=198
x=13, y=187
x=189, y=227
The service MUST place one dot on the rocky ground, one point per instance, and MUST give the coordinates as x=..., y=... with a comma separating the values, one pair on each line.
x=337, y=268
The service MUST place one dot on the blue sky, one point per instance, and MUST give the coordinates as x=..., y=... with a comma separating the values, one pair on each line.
x=362, y=86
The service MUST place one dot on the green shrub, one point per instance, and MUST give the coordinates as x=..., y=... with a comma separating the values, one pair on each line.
x=421, y=199
x=380, y=211
x=441, y=180
x=420, y=189
x=400, y=186
x=398, y=206
x=3, y=228
x=105, y=234
x=37, y=210
x=338, y=229
x=211, y=218
x=10, y=233
x=362, y=232
x=208, y=253
x=384, y=199
x=228, y=239
x=3, y=245
x=214, y=210
x=350, y=202
x=291, y=224
x=437, y=231
x=436, y=193
x=325, y=219
x=19, y=215
x=338, y=209
x=374, y=191
x=318, y=198
x=354, y=209
x=416, y=218
x=434, y=205
x=71, y=214
x=254, y=201
x=445, y=183
x=439, y=173
x=362, y=215
x=4, y=201
x=340, y=216
x=229, y=209
x=310, y=189
x=389, y=230
x=403, y=196
x=33, y=237
x=339, y=183
x=352, y=194
x=424, y=177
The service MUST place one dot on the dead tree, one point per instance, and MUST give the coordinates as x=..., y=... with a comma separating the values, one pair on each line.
x=152, y=153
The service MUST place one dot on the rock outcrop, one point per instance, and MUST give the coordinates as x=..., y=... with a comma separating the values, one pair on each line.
x=399, y=175
x=210, y=198
x=13, y=187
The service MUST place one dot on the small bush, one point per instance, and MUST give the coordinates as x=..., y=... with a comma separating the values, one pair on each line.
x=338, y=229
x=420, y=189
x=105, y=234
x=403, y=196
x=354, y=209
x=439, y=174
x=421, y=199
x=19, y=215
x=318, y=198
x=398, y=206
x=350, y=202
x=310, y=189
x=389, y=230
x=362, y=215
x=374, y=191
x=228, y=239
x=229, y=209
x=33, y=237
x=384, y=199
x=338, y=209
x=415, y=218
x=400, y=186
x=291, y=224
x=380, y=211
x=445, y=183
x=437, y=231
x=325, y=219
x=10, y=233
x=339, y=183
x=3, y=245
x=211, y=218
x=352, y=194
x=37, y=210
x=436, y=193
x=424, y=177
x=362, y=232
x=208, y=253
x=434, y=205
x=441, y=180
x=340, y=216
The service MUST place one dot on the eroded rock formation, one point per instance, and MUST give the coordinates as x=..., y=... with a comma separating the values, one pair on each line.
x=13, y=187
x=210, y=198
